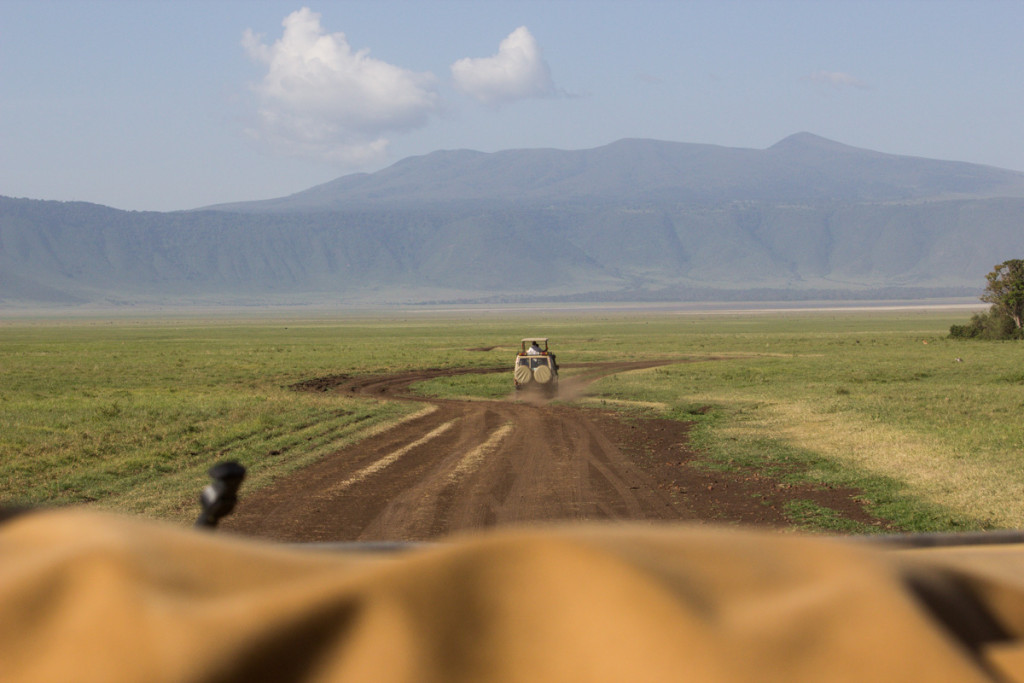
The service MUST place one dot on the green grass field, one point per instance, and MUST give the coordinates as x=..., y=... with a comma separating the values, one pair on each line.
x=127, y=415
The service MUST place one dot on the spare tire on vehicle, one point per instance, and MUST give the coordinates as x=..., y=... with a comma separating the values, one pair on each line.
x=522, y=374
x=542, y=375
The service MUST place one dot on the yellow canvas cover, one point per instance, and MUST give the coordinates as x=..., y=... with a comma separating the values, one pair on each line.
x=90, y=597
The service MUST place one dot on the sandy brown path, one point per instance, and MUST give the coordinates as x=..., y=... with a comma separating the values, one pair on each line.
x=459, y=465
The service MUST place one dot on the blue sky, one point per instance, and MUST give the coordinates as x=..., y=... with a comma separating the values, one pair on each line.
x=176, y=104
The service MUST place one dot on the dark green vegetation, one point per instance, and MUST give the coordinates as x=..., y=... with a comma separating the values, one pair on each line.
x=991, y=324
x=637, y=220
x=1005, y=291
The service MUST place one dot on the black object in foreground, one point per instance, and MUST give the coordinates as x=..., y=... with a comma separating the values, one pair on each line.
x=218, y=499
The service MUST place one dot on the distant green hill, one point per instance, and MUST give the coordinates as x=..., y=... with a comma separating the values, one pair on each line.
x=640, y=219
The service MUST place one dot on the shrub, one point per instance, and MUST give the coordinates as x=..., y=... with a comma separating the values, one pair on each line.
x=995, y=324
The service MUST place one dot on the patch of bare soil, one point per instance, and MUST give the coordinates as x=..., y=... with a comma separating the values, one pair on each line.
x=464, y=465
x=744, y=496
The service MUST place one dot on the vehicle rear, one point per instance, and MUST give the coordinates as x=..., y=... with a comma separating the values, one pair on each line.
x=535, y=367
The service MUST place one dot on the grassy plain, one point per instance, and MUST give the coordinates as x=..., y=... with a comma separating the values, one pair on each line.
x=129, y=414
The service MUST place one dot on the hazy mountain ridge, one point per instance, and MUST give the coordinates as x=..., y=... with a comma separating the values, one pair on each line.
x=641, y=218
x=802, y=167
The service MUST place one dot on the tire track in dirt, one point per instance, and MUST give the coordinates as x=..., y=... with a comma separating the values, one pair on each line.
x=466, y=465
x=463, y=465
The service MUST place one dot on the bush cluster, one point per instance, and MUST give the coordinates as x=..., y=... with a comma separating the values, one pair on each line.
x=995, y=324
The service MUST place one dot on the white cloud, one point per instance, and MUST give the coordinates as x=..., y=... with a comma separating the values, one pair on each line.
x=320, y=98
x=838, y=79
x=516, y=72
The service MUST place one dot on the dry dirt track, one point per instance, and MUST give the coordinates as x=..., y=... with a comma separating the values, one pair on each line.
x=460, y=465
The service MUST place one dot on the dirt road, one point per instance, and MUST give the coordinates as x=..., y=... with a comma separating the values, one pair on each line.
x=459, y=465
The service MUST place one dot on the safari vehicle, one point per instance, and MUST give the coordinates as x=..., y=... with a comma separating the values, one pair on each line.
x=535, y=366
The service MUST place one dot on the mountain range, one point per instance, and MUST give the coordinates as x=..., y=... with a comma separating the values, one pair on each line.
x=807, y=218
